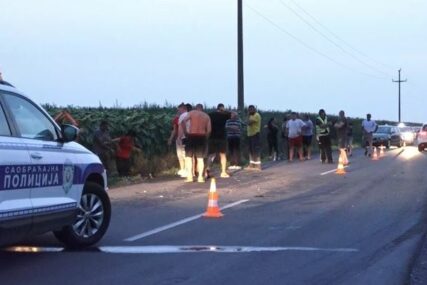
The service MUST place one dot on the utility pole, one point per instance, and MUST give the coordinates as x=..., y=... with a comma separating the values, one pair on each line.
x=240, y=81
x=399, y=81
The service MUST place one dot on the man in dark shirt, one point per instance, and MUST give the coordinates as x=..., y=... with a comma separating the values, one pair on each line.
x=218, y=139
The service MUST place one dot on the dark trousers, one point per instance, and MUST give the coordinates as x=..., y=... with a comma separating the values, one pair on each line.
x=123, y=166
x=254, y=149
x=234, y=150
x=285, y=147
x=325, y=148
x=272, y=146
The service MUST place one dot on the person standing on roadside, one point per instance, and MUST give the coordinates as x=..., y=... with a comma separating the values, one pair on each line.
x=254, y=138
x=350, y=138
x=125, y=145
x=103, y=145
x=341, y=126
x=307, y=136
x=323, y=137
x=272, y=130
x=285, y=138
x=233, y=127
x=177, y=136
x=368, y=128
x=197, y=136
x=294, y=127
x=218, y=140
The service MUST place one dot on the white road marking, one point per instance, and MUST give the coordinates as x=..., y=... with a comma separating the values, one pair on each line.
x=178, y=223
x=166, y=249
x=209, y=248
x=330, y=171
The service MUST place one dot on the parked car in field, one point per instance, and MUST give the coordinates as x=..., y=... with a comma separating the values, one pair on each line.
x=422, y=138
x=48, y=182
x=387, y=136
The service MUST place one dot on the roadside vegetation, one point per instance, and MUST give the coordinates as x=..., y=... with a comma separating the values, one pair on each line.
x=152, y=124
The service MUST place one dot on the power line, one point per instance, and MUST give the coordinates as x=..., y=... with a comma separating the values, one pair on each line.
x=330, y=40
x=308, y=46
x=340, y=39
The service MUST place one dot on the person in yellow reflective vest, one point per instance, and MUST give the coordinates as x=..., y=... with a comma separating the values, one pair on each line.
x=323, y=137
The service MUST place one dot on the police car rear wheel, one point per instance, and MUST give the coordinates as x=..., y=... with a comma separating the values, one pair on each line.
x=92, y=220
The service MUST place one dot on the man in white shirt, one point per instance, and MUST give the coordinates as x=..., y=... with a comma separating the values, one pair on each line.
x=294, y=129
x=368, y=127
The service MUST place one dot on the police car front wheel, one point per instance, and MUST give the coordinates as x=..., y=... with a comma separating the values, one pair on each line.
x=92, y=219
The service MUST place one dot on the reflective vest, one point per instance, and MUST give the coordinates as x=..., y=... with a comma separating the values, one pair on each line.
x=322, y=131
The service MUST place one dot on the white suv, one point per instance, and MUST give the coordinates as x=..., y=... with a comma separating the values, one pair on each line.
x=422, y=138
x=48, y=182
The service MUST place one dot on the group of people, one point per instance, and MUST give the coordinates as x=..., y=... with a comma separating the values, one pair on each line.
x=202, y=137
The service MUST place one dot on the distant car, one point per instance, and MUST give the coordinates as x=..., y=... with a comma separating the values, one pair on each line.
x=408, y=134
x=387, y=136
x=422, y=138
x=48, y=182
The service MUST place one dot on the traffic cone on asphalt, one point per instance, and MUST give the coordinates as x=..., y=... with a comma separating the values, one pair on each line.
x=375, y=154
x=213, y=210
x=340, y=168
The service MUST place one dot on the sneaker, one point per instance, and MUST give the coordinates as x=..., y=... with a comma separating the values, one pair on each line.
x=237, y=167
x=201, y=180
x=224, y=175
x=189, y=180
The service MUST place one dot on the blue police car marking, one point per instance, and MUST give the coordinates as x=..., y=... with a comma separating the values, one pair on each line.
x=36, y=211
x=15, y=177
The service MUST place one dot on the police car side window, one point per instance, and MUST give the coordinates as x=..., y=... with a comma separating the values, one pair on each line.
x=31, y=122
x=4, y=127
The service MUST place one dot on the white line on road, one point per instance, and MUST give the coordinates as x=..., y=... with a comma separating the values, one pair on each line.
x=214, y=249
x=330, y=171
x=178, y=223
x=163, y=249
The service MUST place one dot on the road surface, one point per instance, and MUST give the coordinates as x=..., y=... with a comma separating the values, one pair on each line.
x=292, y=223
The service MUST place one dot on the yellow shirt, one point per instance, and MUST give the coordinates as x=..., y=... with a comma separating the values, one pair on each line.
x=254, y=124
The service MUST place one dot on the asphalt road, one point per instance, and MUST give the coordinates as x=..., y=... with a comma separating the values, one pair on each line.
x=292, y=223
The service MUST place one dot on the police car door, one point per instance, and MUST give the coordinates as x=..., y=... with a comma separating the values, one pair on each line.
x=15, y=203
x=52, y=174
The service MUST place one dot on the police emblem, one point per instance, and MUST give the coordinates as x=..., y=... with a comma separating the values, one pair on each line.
x=68, y=176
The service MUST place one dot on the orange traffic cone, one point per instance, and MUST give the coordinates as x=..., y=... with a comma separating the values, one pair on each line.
x=375, y=154
x=213, y=210
x=340, y=168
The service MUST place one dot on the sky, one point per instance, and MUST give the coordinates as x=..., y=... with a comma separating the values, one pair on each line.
x=299, y=55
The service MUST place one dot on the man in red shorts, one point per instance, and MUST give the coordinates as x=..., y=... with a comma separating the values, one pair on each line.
x=294, y=127
x=196, y=143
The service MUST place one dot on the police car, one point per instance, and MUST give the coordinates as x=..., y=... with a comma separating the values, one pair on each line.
x=48, y=182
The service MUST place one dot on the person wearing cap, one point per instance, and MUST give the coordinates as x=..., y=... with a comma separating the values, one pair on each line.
x=368, y=128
